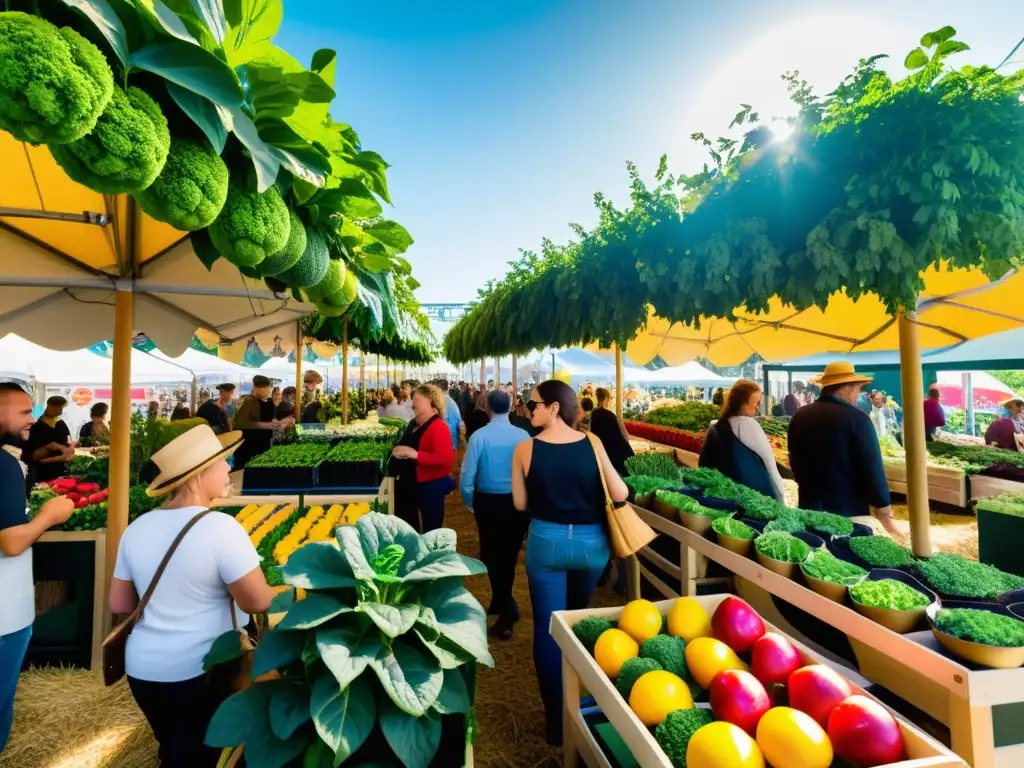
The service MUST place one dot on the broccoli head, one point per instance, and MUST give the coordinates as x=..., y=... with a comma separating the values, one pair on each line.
x=126, y=150
x=675, y=731
x=54, y=84
x=589, y=629
x=312, y=267
x=668, y=651
x=251, y=226
x=631, y=671
x=287, y=257
x=191, y=189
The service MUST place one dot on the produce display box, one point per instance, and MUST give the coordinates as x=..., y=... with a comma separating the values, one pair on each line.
x=999, y=540
x=983, y=708
x=384, y=492
x=350, y=474
x=275, y=478
x=948, y=486
x=982, y=486
x=580, y=671
x=71, y=632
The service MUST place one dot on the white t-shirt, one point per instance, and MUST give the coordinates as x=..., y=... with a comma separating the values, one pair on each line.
x=189, y=608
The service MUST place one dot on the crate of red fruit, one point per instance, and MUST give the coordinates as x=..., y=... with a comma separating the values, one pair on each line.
x=677, y=438
x=706, y=683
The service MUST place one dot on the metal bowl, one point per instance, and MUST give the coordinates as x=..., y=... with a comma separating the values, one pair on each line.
x=733, y=544
x=991, y=656
x=830, y=589
x=789, y=570
x=900, y=622
x=697, y=523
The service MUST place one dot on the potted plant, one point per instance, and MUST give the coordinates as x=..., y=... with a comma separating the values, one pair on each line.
x=829, y=576
x=375, y=661
x=734, y=535
x=894, y=599
x=984, y=633
x=781, y=552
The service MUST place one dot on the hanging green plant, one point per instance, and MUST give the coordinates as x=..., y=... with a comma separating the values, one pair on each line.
x=191, y=189
x=54, y=84
x=251, y=226
x=311, y=267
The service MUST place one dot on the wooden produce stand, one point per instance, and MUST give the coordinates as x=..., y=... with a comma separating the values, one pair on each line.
x=580, y=671
x=983, y=708
x=946, y=485
x=385, y=493
x=71, y=617
x=982, y=486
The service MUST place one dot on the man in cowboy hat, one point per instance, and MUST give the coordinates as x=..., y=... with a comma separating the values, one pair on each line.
x=834, y=453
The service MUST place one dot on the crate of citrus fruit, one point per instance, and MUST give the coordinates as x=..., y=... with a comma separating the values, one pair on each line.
x=705, y=682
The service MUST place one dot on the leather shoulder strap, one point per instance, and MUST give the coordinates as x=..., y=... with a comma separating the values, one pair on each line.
x=137, y=613
x=600, y=468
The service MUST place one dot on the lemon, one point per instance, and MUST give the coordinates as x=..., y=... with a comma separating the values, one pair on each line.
x=789, y=738
x=688, y=619
x=723, y=745
x=706, y=657
x=657, y=693
x=612, y=649
x=640, y=619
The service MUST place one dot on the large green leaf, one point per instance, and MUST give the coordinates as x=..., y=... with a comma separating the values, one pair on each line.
x=460, y=617
x=318, y=755
x=211, y=12
x=348, y=650
x=378, y=532
x=410, y=679
x=107, y=22
x=251, y=25
x=314, y=610
x=238, y=717
x=289, y=706
x=204, y=249
x=305, y=163
x=263, y=749
x=441, y=564
x=392, y=234
x=359, y=207
x=165, y=20
x=227, y=647
x=454, y=695
x=318, y=565
x=392, y=620
x=358, y=558
x=190, y=67
x=375, y=167
x=276, y=650
x=263, y=158
x=202, y=112
x=440, y=539
x=282, y=601
x=335, y=197
x=343, y=717
x=414, y=740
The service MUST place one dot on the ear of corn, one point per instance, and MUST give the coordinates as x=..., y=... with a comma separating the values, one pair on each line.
x=258, y=516
x=297, y=535
x=270, y=524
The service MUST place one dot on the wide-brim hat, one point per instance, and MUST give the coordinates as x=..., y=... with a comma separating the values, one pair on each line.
x=838, y=373
x=189, y=454
x=1011, y=401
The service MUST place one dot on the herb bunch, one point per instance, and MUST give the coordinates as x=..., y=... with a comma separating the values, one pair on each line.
x=730, y=526
x=824, y=566
x=978, y=626
x=957, y=576
x=661, y=465
x=889, y=594
x=880, y=551
x=781, y=546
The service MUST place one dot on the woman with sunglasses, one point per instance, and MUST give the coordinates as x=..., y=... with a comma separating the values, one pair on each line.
x=556, y=479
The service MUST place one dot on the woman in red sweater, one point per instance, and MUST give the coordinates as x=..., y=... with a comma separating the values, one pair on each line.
x=422, y=461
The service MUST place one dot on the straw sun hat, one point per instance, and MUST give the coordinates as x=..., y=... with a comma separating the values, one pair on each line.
x=840, y=372
x=189, y=454
x=1011, y=401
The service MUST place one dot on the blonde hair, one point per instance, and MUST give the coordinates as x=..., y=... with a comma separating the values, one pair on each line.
x=434, y=395
x=386, y=398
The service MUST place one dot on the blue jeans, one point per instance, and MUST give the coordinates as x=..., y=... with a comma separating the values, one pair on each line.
x=563, y=565
x=12, y=654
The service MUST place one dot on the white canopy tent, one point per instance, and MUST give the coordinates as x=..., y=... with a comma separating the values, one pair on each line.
x=691, y=374
x=203, y=365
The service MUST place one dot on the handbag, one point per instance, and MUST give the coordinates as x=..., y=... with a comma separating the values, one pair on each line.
x=627, y=533
x=117, y=641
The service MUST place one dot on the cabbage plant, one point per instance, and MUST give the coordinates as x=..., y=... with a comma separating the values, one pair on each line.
x=383, y=637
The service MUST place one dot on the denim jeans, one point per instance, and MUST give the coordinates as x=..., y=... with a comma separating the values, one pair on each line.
x=563, y=565
x=12, y=653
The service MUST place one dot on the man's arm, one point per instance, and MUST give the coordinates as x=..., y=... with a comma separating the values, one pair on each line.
x=868, y=456
x=16, y=539
x=246, y=416
x=467, y=480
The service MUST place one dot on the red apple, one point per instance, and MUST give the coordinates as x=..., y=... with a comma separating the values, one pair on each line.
x=738, y=697
x=863, y=733
x=817, y=690
x=773, y=659
x=736, y=624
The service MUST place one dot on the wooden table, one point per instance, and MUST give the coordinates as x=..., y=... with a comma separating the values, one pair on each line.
x=579, y=670
x=984, y=708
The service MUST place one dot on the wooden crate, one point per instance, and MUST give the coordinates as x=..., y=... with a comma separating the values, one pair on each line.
x=948, y=486
x=982, y=486
x=580, y=669
x=385, y=493
x=984, y=708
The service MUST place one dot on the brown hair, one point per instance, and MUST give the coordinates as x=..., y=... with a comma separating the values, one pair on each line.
x=386, y=397
x=554, y=391
x=602, y=395
x=739, y=395
x=434, y=395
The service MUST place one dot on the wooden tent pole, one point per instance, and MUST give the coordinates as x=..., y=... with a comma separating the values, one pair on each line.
x=515, y=380
x=362, y=372
x=497, y=373
x=344, y=372
x=483, y=374
x=376, y=381
x=618, y=381
x=299, y=389
x=912, y=386
x=120, y=426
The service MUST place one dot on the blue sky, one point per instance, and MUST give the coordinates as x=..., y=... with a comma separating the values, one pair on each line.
x=502, y=118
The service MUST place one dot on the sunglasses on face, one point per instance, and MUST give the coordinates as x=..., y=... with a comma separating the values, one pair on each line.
x=532, y=405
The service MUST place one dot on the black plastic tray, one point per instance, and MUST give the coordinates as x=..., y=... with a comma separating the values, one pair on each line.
x=350, y=474
x=277, y=478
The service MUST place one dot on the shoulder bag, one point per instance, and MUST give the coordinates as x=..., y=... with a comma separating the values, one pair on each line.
x=117, y=641
x=626, y=531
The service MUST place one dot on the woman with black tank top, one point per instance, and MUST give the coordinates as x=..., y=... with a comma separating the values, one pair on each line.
x=556, y=479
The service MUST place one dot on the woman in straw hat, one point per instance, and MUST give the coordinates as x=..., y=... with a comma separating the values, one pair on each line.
x=556, y=478
x=214, y=571
x=834, y=451
x=1002, y=433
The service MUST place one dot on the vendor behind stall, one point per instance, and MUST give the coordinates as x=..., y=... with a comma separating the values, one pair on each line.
x=49, y=448
x=215, y=411
x=834, y=452
x=255, y=418
x=311, y=382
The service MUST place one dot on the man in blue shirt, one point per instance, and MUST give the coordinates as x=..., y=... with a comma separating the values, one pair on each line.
x=486, y=486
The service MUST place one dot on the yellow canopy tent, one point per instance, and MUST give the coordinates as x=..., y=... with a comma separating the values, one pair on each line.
x=76, y=263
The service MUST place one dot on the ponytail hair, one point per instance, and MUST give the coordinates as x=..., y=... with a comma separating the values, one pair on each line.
x=739, y=395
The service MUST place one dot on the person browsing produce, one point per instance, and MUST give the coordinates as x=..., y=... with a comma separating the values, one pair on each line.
x=48, y=449
x=834, y=451
x=255, y=418
x=215, y=411
x=95, y=431
x=17, y=535
x=422, y=461
x=210, y=585
x=607, y=427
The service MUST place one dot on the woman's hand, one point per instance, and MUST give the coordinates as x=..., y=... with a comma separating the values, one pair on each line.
x=405, y=452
